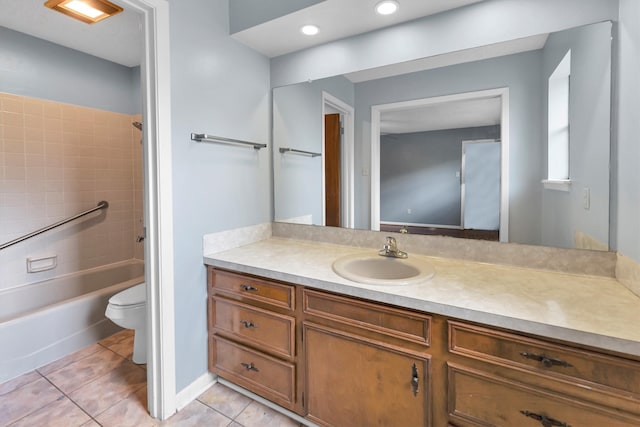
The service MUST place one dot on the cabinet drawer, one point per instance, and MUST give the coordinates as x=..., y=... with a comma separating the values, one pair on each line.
x=253, y=288
x=480, y=399
x=397, y=323
x=264, y=375
x=267, y=330
x=513, y=350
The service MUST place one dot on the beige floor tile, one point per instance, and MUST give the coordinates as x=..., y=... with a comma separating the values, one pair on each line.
x=107, y=390
x=60, y=413
x=83, y=371
x=124, y=347
x=129, y=412
x=117, y=337
x=67, y=360
x=26, y=399
x=90, y=423
x=197, y=414
x=18, y=382
x=259, y=415
x=224, y=400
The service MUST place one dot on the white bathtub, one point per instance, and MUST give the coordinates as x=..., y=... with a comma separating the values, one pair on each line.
x=45, y=321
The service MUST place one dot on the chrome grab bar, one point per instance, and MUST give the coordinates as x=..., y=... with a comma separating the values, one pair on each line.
x=101, y=205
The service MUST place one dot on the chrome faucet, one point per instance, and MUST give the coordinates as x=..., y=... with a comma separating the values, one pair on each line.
x=390, y=249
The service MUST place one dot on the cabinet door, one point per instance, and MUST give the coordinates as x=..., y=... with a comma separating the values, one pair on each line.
x=351, y=381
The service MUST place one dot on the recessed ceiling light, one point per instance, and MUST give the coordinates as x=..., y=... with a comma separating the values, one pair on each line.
x=310, y=30
x=387, y=7
x=87, y=11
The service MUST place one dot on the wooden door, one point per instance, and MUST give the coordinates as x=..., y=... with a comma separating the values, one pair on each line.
x=352, y=381
x=332, y=169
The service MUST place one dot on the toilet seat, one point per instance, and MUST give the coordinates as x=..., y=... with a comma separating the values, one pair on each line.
x=131, y=297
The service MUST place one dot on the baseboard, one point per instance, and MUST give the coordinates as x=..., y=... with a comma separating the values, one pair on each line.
x=195, y=389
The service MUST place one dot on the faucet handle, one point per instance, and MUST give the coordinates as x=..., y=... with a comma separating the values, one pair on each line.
x=391, y=242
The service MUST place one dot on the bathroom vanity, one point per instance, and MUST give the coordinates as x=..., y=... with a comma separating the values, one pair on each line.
x=476, y=345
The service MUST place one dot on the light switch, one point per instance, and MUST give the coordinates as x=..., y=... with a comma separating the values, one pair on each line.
x=586, y=198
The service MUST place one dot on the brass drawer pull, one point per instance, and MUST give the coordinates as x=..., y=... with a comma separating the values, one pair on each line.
x=544, y=420
x=248, y=324
x=415, y=380
x=250, y=367
x=546, y=360
x=248, y=288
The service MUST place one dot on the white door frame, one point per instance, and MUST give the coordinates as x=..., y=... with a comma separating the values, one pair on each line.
x=346, y=161
x=158, y=205
x=376, y=110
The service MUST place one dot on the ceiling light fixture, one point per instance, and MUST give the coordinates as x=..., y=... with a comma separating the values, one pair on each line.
x=310, y=30
x=87, y=11
x=387, y=7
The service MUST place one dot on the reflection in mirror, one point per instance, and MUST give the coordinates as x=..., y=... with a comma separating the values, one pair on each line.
x=535, y=207
x=441, y=155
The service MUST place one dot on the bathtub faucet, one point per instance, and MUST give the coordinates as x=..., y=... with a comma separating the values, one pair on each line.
x=390, y=249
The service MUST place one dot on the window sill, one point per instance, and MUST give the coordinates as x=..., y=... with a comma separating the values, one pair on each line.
x=557, y=184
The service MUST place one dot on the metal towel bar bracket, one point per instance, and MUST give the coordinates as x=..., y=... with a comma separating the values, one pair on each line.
x=302, y=152
x=101, y=205
x=203, y=137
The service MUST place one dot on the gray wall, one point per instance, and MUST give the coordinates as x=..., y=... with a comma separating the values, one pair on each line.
x=521, y=74
x=221, y=87
x=297, y=123
x=40, y=69
x=418, y=172
x=563, y=213
x=626, y=199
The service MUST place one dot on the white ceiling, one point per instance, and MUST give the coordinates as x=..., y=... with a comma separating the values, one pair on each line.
x=336, y=19
x=443, y=115
x=117, y=39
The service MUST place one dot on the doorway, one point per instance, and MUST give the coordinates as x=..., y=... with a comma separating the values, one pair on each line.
x=480, y=187
x=337, y=158
x=426, y=109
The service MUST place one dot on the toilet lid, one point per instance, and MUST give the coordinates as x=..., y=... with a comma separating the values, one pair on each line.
x=134, y=295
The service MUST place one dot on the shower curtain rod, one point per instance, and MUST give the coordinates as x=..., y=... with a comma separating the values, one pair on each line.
x=101, y=205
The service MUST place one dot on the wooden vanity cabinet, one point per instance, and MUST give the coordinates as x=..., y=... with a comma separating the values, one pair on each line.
x=343, y=361
x=499, y=378
x=366, y=364
x=252, y=335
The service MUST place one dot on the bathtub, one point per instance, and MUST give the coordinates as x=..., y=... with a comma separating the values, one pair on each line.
x=44, y=321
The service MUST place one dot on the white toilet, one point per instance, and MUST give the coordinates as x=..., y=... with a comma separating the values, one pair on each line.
x=128, y=309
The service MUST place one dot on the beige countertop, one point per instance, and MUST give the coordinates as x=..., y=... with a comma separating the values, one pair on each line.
x=589, y=310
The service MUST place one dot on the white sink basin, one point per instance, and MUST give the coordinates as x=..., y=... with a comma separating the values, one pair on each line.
x=379, y=270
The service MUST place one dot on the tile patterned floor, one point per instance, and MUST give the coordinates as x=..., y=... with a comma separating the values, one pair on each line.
x=101, y=386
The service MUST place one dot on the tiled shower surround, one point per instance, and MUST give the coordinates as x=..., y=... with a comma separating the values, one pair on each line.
x=57, y=160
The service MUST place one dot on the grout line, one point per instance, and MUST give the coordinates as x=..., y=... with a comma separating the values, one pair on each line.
x=71, y=400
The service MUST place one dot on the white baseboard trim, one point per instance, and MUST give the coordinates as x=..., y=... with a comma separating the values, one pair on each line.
x=195, y=389
x=267, y=403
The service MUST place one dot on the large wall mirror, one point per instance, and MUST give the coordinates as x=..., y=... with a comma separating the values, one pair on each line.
x=509, y=142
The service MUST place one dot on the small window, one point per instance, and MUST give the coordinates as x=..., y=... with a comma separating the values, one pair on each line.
x=558, y=124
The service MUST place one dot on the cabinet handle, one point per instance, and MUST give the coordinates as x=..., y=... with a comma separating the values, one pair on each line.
x=248, y=288
x=248, y=324
x=415, y=379
x=250, y=367
x=546, y=360
x=544, y=420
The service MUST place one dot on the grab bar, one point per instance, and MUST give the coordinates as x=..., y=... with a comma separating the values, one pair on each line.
x=101, y=205
x=203, y=137
x=296, y=151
